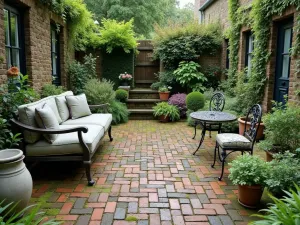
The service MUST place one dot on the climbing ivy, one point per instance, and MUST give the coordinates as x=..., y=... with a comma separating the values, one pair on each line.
x=260, y=18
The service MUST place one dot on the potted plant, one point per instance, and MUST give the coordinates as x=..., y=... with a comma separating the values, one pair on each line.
x=249, y=173
x=282, y=129
x=164, y=93
x=166, y=112
x=260, y=132
x=125, y=79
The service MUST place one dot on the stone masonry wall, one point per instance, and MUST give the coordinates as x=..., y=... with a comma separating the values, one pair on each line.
x=37, y=24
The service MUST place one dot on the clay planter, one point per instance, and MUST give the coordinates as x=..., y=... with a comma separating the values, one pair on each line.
x=249, y=196
x=269, y=156
x=164, y=96
x=164, y=119
x=260, y=132
x=15, y=179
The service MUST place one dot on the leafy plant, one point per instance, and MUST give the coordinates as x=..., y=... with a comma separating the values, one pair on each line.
x=117, y=35
x=99, y=92
x=7, y=138
x=51, y=89
x=284, y=211
x=121, y=95
x=166, y=110
x=119, y=112
x=31, y=216
x=164, y=89
x=195, y=101
x=80, y=73
x=282, y=128
x=248, y=170
x=188, y=75
x=165, y=78
x=284, y=172
x=213, y=76
x=179, y=100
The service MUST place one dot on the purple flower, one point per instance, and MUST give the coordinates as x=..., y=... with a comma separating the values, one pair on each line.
x=179, y=101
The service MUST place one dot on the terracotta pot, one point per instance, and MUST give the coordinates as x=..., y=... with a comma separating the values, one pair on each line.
x=164, y=96
x=15, y=179
x=260, y=132
x=269, y=156
x=164, y=119
x=249, y=196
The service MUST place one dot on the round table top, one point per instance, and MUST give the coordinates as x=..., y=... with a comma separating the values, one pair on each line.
x=213, y=116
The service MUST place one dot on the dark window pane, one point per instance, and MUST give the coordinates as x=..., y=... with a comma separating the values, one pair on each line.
x=16, y=57
x=8, y=57
x=285, y=66
x=14, y=30
x=6, y=27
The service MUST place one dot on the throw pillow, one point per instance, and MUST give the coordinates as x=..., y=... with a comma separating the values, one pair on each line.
x=62, y=106
x=46, y=119
x=78, y=106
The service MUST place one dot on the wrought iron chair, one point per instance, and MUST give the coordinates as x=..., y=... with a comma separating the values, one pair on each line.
x=230, y=142
x=217, y=103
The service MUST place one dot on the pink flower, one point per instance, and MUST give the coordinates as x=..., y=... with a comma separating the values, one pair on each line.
x=123, y=76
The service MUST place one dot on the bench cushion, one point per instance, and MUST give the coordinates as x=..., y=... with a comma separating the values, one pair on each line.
x=27, y=115
x=230, y=140
x=67, y=144
x=101, y=119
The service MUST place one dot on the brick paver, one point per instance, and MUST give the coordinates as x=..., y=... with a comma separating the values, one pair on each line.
x=146, y=176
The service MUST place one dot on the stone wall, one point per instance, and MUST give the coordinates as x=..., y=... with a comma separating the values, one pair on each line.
x=37, y=20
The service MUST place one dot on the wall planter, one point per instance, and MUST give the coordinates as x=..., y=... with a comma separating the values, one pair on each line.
x=260, y=132
x=164, y=96
x=249, y=196
x=15, y=179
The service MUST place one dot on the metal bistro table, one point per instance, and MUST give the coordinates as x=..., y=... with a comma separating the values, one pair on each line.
x=211, y=118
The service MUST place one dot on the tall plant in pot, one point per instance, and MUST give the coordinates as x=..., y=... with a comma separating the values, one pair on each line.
x=164, y=93
x=250, y=174
x=282, y=132
x=166, y=112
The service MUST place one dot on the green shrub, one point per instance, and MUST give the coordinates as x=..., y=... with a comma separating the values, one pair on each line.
x=176, y=43
x=119, y=112
x=51, y=89
x=248, y=170
x=284, y=211
x=188, y=75
x=121, y=95
x=164, y=109
x=231, y=127
x=284, y=172
x=80, y=73
x=195, y=101
x=213, y=76
x=116, y=34
x=99, y=92
x=282, y=128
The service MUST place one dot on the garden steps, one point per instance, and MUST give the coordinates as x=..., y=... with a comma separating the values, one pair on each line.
x=144, y=83
x=141, y=102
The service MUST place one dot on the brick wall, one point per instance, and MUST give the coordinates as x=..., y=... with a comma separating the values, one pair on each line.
x=37, y=24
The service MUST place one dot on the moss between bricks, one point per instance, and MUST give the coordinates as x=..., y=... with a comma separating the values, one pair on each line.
x=131, y=218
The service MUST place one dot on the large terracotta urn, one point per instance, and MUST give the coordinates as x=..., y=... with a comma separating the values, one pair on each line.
x=15, y=179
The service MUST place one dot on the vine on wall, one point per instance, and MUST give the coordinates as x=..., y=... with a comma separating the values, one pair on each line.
x=260, y=18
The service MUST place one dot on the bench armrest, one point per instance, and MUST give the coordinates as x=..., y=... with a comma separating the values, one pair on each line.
x=103, y=106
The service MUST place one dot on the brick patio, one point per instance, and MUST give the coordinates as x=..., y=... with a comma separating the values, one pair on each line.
x=146, y=176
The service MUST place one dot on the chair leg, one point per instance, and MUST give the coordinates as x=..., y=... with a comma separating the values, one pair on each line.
x=215, y=155
x=223, y=164
x=87, y=165
x=210, y=133
x=195, y=130
x=109, y=134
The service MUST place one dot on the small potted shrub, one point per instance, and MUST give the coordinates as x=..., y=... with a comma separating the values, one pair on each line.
x=250, y=174
x=121, y=95
x=179, y=100
x=195, y=101
x=282, y=130
x=166, y=112
x=125, y=79
x=164, y=93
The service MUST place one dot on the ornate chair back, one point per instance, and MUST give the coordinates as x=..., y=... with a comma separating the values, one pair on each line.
x=217, y=102
x=254, y=117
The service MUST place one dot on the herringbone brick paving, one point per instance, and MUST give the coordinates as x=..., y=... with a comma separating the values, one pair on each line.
x=146, y=176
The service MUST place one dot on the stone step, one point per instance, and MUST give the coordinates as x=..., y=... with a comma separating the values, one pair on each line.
x=141, y=103
x=141, y=114
x=144, y=83
x=143, y=93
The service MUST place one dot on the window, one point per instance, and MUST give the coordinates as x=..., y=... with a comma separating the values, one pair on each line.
x=249, y=51
x=55, y=61
x=12, y=38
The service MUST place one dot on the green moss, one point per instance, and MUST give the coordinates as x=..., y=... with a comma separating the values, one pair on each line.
x=52, y=212
x=131, y=219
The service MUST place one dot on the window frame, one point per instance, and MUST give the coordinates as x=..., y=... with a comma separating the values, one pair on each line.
x=20, y=37
x=248, y=54
x=227, y=64
x=56, y=52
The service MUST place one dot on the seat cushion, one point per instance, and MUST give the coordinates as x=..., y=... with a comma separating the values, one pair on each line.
x=103, y=120
x=67, y=144
x=229, y=140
